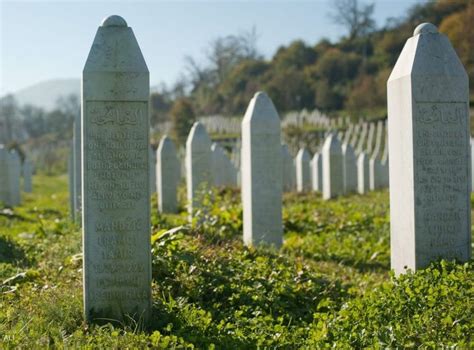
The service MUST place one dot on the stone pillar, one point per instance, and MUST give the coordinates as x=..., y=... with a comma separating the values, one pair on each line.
x=317, y=172
x=198, y=164
x=167, y=176
x=303, y=172
x=217, y=166
x=261, y=173
x=375, y=174
x=15, y=175
x=333, y=172
x=288, y=173
x=428, y=116
x=350, y=168
x=5, y=186
x=363, y=179
x=115, y=177
x=27, y=176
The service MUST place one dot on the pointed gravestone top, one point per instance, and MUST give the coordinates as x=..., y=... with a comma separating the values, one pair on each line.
x=303, y=155
x=198, y=136
x=261, y=110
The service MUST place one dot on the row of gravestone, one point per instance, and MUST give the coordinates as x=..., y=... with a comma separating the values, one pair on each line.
x=12, y=169
x=428, y=126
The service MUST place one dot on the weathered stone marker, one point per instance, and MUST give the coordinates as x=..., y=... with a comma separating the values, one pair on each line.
x=198, y=164
x=115, y=177
x=261, y=173
x=350, y=168
x=15, y=175
x=167, y=176
x=428, y=116
x=363, y=179
x=303, y=171
x=333, y=171
x=317, y=172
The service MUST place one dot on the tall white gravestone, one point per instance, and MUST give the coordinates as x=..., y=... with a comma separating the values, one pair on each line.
x=288, y=169
x=317, y=172
x=115, y=176
x=261, y=173
x=428, y=116
x=350, y=168
x=333, y=171
x=198, y=164
x=303, y=171
x=363, y=179
x=167, y=176
x=15, y=175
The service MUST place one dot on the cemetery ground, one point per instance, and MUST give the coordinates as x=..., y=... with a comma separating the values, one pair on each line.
x=329, y=286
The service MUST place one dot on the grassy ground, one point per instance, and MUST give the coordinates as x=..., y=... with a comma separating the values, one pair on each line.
x=329, y=286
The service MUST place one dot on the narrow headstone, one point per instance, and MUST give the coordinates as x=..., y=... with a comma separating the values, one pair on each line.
x=363, y=179
x=317, y=172
x=5, y=186
x=262, y=173
x=27, y=176
x=15, y=175
x=428, y=115
x=303, y=171
x=333, y=171
x=115, y=177
x=350, y=168
x=370, y=138
x=198, y=164
x=70, y=170
x=217, y=166
x=167, y=176
x=375, y=173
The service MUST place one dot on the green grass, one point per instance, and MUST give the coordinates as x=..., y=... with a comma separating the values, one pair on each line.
x=329, y=286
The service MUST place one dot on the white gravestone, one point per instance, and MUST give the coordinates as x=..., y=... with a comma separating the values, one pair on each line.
x=15, y=175
x=70, y=170
x=333, y=172
x=317, y=172
x=428, y=116
x=262, y=173
x=350, y=168
x=115, y=176
x=77, y=165
x=198, y=164
x=167, y=176
x=27, y=176
x=303, y=171
x=5, y=185
x=363, y=179
x=375, y=173
x=288, y=169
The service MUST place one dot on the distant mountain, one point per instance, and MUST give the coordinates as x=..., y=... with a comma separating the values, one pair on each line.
x=45, y=94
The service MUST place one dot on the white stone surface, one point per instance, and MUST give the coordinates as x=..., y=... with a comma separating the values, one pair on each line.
x=333, y=169
x=375, y=174
x=363, y=177
x=303, y=171
x=198, y=165
x=167, y=176
x=5, y=183
x=350, y=168
x=428, y=116
x=262, y=173
x=15, y=176
x=115, y=177
x=27, y=176
x=317, y=172
x=288, y=167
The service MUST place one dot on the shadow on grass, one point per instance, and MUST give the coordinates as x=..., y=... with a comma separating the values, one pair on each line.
x=10, y=252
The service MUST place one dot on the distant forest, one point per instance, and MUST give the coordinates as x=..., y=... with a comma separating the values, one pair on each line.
x=347, y=77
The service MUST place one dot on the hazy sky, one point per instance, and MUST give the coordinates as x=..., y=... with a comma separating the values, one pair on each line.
x=41, y=40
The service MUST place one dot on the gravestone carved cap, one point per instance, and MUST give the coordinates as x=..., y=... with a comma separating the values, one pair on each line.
x=113, y=21
x=425, y=28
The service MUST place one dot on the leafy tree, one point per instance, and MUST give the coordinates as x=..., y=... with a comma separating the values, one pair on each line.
x=182, y=115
